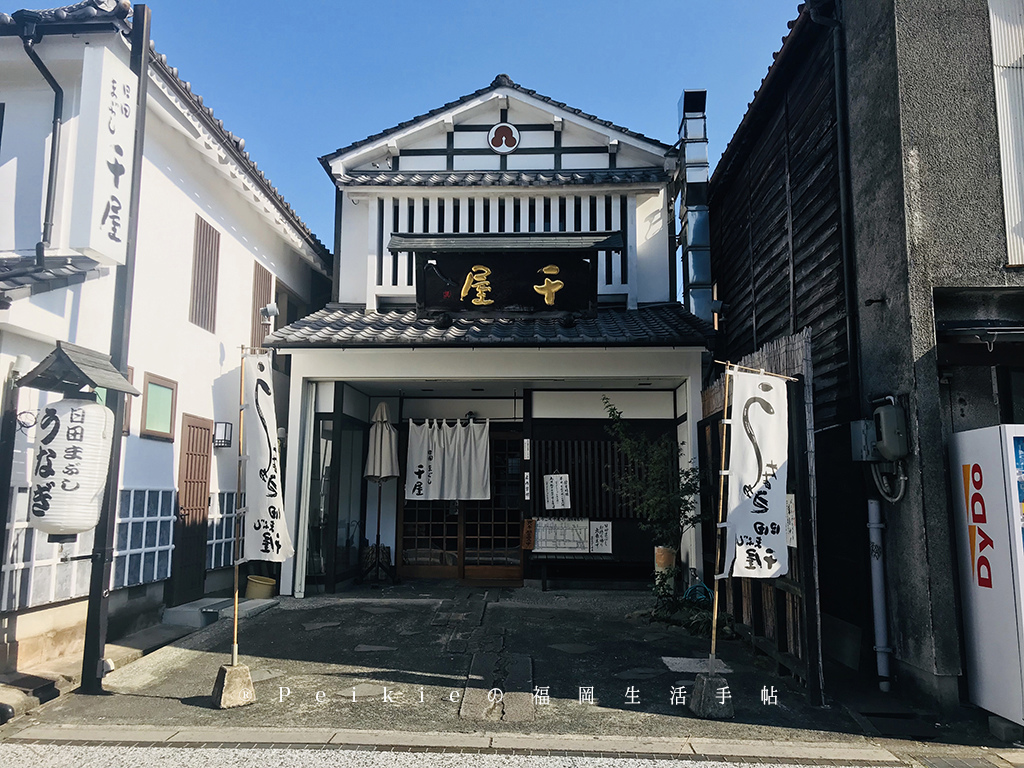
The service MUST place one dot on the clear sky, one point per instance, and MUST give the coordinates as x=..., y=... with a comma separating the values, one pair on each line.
x=297, y=80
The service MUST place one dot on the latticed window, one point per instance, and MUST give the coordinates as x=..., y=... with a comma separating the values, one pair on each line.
x=202, y=309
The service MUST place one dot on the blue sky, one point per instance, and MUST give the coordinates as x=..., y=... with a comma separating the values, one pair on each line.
x=298, y=80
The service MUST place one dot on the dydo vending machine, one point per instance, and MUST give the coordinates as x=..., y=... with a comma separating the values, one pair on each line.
x=987, y=468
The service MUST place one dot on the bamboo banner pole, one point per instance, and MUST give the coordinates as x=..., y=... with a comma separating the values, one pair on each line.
x=761, y=371
x=718, y=529
x=238, y=496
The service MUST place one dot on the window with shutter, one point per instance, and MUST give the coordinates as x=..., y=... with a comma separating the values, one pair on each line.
x=205, y=260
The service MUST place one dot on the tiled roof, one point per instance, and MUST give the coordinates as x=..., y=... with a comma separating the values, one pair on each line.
x=500, y=178
x=69, y=367
x=96, y=15
x=87, y=10
x=19, y=278
x=501, y=81
x=662, y=325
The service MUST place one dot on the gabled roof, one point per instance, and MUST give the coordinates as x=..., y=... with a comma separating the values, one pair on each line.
x=501, y=81
x=337, y=326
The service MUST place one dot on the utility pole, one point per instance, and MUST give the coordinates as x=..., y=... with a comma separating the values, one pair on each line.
x=103, y=546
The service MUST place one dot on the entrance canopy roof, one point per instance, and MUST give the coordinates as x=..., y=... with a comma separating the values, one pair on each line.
x=336, y=326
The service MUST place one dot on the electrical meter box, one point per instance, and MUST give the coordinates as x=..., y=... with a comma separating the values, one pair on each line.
x=862, y=441
x=891, y=432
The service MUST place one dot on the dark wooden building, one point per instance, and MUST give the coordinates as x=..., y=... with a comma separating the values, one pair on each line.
x=847, y=203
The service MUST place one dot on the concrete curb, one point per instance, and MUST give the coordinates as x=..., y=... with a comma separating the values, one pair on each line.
x=14, y=702
x=506, y=742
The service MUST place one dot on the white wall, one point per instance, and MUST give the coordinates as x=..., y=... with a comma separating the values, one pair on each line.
x=687, y=402
x=177, y=183
x=588, y=405
x=505, y=409
x=356, y=248
x=25, y=145
x=177, y=186
x=652, y=248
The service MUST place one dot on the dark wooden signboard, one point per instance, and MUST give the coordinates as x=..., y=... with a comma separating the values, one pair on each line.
x=490, y=283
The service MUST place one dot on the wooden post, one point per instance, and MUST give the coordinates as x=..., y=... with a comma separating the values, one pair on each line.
x=93, y=666
x=806, y=541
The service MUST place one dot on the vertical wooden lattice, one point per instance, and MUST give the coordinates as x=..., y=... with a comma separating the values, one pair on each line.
x=202, y=309
x=262, y=294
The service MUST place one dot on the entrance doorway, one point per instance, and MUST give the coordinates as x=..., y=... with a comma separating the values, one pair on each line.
x=472, y=540
x=188, y=562
x=336, y=498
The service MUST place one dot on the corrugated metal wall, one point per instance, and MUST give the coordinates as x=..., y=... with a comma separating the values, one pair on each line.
x=775, y=228
x=1007, y=17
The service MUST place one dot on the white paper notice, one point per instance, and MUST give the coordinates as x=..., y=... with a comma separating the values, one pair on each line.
x=556, y=492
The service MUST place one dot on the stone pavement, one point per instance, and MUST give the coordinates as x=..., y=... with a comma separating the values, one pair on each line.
x=439, y=666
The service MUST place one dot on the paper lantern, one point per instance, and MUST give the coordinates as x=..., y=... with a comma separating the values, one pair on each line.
x=73, y=441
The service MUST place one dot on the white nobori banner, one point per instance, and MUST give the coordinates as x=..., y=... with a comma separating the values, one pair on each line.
x=266, y=535
x=758, y=452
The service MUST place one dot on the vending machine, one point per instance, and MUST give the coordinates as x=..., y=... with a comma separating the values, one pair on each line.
x=987, y=468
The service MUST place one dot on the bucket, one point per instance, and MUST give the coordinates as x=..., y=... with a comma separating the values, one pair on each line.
x=664, y=558
x=259, y=587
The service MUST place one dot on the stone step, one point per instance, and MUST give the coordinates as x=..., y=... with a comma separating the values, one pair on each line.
x=205, y=611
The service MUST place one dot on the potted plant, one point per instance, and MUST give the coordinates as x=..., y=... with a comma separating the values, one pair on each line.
x=661, y=492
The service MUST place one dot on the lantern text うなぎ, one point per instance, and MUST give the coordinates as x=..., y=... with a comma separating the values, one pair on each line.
x=73, y=442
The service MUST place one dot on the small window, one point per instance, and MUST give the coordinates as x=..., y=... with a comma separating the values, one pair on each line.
x=159, y=399
x=101, y=398
x=202, y=309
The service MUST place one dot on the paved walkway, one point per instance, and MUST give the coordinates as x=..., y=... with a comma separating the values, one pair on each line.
x=428, y=666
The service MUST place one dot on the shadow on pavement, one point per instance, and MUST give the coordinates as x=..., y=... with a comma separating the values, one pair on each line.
x=442, y=657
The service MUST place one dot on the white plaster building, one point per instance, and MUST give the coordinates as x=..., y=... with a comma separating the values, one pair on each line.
x=216, y=243
x=511, y=181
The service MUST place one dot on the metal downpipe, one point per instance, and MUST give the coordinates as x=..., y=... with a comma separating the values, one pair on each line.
x=58, y=118
x=882, y=649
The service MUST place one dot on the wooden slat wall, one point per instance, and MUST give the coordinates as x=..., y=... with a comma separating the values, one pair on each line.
x=202, y=309
x=488, y=213
x=776, y=230
x=262, y=294
x=592, y=466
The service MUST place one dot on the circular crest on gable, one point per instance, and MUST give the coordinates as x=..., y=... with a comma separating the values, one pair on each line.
x=503, y=138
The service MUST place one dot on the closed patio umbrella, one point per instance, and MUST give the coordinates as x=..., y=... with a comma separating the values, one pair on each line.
x=381, y=465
